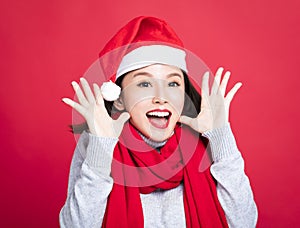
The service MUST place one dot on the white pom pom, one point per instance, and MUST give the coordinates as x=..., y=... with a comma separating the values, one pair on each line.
x=110, y=91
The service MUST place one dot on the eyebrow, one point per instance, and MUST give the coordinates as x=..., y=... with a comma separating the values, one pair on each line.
x=150, y=75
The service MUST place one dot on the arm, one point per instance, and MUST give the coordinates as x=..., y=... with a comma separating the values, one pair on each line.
x=233, y=186
x=89, y=182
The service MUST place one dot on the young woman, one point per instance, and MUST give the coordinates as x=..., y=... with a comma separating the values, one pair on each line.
x=138, y=164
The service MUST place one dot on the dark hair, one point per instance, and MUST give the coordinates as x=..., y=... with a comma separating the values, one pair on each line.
x=192, y=101
x=191, y=106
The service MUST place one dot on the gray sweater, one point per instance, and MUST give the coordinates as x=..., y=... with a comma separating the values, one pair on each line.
x=90, y=184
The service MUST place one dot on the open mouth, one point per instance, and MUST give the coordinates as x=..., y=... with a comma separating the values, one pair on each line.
x=159, y=118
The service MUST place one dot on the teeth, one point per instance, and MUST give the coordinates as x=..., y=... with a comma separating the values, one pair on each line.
x=158, y=114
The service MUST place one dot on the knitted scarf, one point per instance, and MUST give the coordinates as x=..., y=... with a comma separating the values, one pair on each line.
x=138, y=168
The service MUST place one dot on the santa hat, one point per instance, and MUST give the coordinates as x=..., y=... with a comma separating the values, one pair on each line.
x=141, y=42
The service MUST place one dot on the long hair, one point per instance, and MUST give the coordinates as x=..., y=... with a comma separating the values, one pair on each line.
x=191, y=106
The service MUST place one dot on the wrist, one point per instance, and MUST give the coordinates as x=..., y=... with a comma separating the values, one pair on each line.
x=102, y=131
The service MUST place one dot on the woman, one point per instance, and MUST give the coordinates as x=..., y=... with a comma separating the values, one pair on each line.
x=137, y=163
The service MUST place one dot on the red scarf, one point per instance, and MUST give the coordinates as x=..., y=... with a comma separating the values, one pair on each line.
x=138, y=168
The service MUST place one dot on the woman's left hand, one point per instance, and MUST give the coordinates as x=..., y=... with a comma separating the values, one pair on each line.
x=214, y=112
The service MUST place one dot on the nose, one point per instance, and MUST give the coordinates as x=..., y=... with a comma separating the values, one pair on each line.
x=159, y=100
x=159, y=95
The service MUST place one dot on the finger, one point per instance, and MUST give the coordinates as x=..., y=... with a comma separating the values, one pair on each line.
x=81, y=98
x=232, y=92
x=216, y=82
x=98, y=95
x=87, y=90
x=185, y=120
x=224, y=83
x=205, y=87
x=74, y=105
x=204, y=102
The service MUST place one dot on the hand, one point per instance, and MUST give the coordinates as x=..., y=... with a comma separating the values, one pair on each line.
x=214, y=104
x=91, y=107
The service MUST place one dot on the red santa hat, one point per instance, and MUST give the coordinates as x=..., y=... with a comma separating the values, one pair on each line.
x=141, y=42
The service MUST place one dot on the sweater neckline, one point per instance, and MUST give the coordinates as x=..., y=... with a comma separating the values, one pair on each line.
x=154, y=144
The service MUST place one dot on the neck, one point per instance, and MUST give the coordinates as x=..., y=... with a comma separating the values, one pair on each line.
x=152, y=143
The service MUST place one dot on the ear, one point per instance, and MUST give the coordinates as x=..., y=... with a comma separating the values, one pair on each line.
x=119, y=105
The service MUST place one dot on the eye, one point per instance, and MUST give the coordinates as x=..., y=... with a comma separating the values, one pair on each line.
x=144, y=84
x=174, y=84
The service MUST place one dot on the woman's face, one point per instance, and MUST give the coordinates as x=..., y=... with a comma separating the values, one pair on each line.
x=154, y=98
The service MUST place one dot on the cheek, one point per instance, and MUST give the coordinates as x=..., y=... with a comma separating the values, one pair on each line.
x=133, y=96
x=176, y=99
x=133, y=100
x=137, y=113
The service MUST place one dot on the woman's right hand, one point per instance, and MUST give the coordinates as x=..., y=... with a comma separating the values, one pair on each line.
x=91, y=106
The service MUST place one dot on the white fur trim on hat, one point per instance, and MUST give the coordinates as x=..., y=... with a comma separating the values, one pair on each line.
x=148, y=55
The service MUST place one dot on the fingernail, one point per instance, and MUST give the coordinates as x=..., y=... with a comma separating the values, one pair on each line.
x=228, y=73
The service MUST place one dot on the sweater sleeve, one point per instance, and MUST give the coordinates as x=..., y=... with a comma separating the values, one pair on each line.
x=89, y=182
x=233, y=186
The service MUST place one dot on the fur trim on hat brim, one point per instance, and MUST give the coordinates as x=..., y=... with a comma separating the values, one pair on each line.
x=149, y=55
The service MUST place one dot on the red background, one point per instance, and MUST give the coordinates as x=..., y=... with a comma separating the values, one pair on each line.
x=47, y=44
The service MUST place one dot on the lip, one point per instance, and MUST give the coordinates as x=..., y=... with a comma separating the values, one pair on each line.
x=162, y=112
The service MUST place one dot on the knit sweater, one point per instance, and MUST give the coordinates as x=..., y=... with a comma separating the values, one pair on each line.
x=90, y=184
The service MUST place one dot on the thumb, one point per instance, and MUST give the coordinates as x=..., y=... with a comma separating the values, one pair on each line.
x=185, y=120
x=119, y=123
x=123, y=118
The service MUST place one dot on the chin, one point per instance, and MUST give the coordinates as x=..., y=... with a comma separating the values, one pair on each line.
x=159, y=135
x=154, y=133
